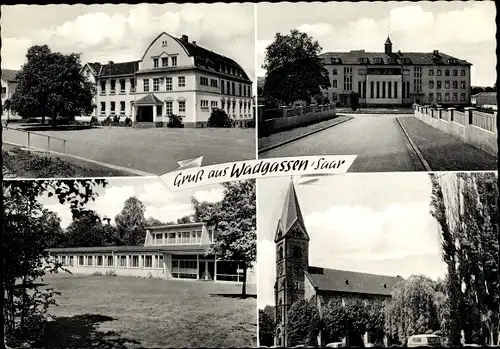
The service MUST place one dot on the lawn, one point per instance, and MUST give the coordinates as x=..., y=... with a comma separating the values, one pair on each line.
x=21, y=163
x=154, y=150
x=119, y=312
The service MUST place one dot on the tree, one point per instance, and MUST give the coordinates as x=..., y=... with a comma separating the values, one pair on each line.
x=304, y=323
x=151, y=222
x=87, y=230
x=53, y=223
x=131, y=223
x=27, y=234
x=354, y=101
x=294, y=69
x=266, y=329
x=412, y=309
x=219, y=118
x=235, y=224
x=184, y=220
x=50, y=84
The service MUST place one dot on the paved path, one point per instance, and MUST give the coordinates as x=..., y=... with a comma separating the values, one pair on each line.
x=445, y=152
x=378, y=141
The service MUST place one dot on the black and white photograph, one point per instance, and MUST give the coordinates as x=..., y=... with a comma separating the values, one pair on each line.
x=125, y=263
x=388, y=259
x=125, y=90
x=406, y=86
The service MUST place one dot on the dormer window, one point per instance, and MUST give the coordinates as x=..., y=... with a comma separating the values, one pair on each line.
x=406, y=61
x=378, y=60
x=391, y=61
x=363, y=60
x=164, y=62
x=174, y=61
x=155, y=62
x=335, y=60
x=451, y=61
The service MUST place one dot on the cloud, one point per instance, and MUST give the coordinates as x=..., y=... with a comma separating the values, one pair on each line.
x=266, y=271
x=211, y=195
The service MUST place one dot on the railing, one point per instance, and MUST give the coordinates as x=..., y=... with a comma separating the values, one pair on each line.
x=287, y=112
x=459, y=117
x=484, y=120
x=31, y=139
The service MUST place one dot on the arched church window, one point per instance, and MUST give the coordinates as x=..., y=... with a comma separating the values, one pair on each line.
x=296, y=253
x=280, y=253
x=279, y=312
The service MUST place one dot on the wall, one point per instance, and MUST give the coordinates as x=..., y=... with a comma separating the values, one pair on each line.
x=172, y=48
x=475, y=134
x=284, y=123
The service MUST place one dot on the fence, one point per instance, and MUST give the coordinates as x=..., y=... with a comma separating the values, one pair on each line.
x=287, y=112
x=31, y=139
x=471, y=126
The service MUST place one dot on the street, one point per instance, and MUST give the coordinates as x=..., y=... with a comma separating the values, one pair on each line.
x=378, y=141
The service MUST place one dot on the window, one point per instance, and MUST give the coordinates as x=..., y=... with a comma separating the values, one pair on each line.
x=122, y=86
x=181, y=81
x=174, y=61
x=377, y=60
x=455, y=97
x=455, y=72
x=185, y=237
x=113, y=104
x=110, y=261
x=146, y=85
x=135, y=262
x=156, y=84
x=439, y=72
x=431, y=84
x=389, y=89
x=63, y=260
x=233, y=88
x=462, y=72
x=171, y=238
x=132, y=85
x=431, y=97
x=103, y=107
x=447, y=96
x=372, y=89
x=383, y=89
x=164, y=43
x=334, y=71
x=169, y=108
x=334, y=83
x=462, y=97
x=71, y=261
x=215, y=83
x=182, y=107
x=455, y=84
x=148, y=261
x=113, y=86
x=155, y=62
x=438, y=84
x=122, y=107
x=99, y=261
x=439, y=97
x=446, y=84
x=222, y=85
x=334, y=60
x=431, y=72
x=90, y=260
x=168, y=84
x=378, y=89
x=462, y=84
x=157, y=238
x=80, y=260
x=204, y=104
x=395, y=89
x=213, y=104
x=210, y=235
x=198, y=236
x=122, y=261
x=164, y=61
x=447, y=72
x=228, y=87
x=240, y=90
x=159, y=110
x=103, y=87
x=203, y=81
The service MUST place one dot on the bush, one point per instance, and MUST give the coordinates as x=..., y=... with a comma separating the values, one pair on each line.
x=337, y=104
x=304, y=323
x=94, y=121
x=251, y=124
x=175, y=121
x=128, y=121
x=107, y=121
x=110, y=273
x=354, y=101
x=219, y=118
x=159, y=124
x=97, y=273
x=116, y=119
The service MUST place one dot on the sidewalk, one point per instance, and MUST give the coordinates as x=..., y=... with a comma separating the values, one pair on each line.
x=280, y=138
x=444, y=152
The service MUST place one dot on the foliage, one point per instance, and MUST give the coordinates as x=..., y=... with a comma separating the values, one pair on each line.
x=87, y=230
x=183, y=220
x=219, y=118
x=175, y=121
x=294, y=69
x=413, y=308
x=304, y=323
x=354, y=101
x=27, y=234
x=464, y=204
x=236, y=226
x=131, y=223
x=50, y=85
x=266, y=329
x=151, y=222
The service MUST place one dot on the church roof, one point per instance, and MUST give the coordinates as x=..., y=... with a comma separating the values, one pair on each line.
x=388, y=41
x=291, y=213
x=334, y=280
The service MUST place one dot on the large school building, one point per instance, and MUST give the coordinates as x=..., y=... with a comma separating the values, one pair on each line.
x=174, y=76
x=171, y=252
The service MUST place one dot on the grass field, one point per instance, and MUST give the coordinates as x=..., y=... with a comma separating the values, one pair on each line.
x=127, y=312
x=154, y=150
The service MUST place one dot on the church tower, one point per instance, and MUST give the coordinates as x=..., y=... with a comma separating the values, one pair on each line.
x=292, y=260
x=388, y=46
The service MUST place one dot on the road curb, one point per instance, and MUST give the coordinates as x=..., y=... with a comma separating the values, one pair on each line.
x=103, y=164
x=274, y=146
x=414, y=147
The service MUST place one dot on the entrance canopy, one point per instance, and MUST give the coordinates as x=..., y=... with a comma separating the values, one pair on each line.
x=150, y=100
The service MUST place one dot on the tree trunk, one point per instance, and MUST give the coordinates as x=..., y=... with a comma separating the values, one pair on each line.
x=244, y=285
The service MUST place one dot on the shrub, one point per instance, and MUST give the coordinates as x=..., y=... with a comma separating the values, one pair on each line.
x=94, y=121
x=97, y=273
x=337, y=104
x=110, y=273
x=128, y=121
x=219, y=118
x=116, y=119
x=354, y=101
x=107, y=121
x=251, y=123
x=175, y=121
x=304, y=323
x=159, y=124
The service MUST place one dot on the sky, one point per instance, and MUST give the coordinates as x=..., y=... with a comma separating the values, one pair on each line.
x=123, y=32
x=160, y=202
x=373, y=223
x=463, y=29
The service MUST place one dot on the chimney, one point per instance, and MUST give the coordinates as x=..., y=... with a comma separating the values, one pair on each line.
x=194, y=43
x=184, y=38
x=110, y=62
x=436, y=52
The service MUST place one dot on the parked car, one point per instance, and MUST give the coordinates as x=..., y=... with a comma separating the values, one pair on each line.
x=336, y=345
x=424, y=340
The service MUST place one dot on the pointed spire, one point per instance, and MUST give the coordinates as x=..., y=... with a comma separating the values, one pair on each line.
x=388, y=41
x=291, y=212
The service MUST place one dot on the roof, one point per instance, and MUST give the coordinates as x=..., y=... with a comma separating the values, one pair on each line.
x=291, y=212
x=149, y=99
x=115, y=69
x=160, y=248
x=173, y=226
x=417, y=58
x=333, y=280
x=209, y=59
x=486, y=94
x=388, y=41
x=9, y=74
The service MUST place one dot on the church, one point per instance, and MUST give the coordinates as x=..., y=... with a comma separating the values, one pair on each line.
x=296, y=279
